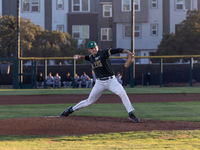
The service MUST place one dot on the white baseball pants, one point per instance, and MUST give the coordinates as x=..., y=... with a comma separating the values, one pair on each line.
x=100, y=86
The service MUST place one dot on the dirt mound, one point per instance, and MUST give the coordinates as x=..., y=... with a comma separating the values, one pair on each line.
x=76, y=125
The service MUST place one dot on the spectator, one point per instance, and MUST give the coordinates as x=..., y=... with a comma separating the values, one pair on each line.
x=68, y=80
x=194, y=81
x=119, y=78
x=50, y=79
x=84, y=80
x=148, y=77
x=77, y=80
x=40, y=81
x=57, y=81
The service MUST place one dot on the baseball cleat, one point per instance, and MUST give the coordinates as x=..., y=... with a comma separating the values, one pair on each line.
x=133, y=117
x=67, y=112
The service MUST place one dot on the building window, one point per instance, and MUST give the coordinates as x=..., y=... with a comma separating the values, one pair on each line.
x=80, y=5
x=154, y=4
x=137, y=5
x=126, y=5
x=106, y=34
x=137, y=60
x=60, y=28
x=138, y=31
x=30, y=5
x=127, y=31
x=80, y=31
x=179, y=4
x=184, y=4
x=59, y=4
x=107, y=10
x=154, y=30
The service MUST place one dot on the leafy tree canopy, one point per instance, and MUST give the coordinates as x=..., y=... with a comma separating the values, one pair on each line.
x=36, y=42
x=186, y=41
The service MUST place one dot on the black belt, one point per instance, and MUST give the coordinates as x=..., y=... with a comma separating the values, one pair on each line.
x=106, y=78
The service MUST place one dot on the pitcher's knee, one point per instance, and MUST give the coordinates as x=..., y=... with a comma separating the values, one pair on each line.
x=89, y=102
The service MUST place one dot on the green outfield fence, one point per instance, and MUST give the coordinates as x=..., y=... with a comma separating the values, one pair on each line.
x=18, y=68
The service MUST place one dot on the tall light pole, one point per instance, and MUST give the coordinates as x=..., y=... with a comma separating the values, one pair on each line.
x=132, y=67
x=18, y=45
x=18, y=33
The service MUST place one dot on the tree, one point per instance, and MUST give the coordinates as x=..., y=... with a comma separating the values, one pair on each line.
x=170, y=45
x=54, y=44
x=28, y=34
x=28, y=30
x=36, y=42
x=191, y=33
x=7, y=36
x=186, y=41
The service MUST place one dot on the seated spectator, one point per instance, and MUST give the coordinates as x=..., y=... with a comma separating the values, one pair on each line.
x=77, y=80
x=49, y=81
x=68, y=80
x=194, y=81
x=119, y=78
x=57, y=81
x=148, y=77
x=84, y=80
x=40, y=81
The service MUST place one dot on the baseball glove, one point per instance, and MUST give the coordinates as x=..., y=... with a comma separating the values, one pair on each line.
x=129, y=60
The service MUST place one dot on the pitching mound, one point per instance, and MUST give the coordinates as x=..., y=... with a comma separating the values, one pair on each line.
x=74, y=125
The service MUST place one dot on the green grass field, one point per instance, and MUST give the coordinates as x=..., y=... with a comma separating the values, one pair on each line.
x=155, y=140
x=180, y=111
x=135, y=90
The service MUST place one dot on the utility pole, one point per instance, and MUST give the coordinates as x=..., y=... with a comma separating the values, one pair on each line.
x=132, y=67
x=18, y=47
x=18, y=33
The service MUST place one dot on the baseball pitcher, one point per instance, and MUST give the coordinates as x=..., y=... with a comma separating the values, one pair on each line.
x=105, y=79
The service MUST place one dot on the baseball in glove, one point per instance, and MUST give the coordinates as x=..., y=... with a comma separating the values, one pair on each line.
x=129, y=60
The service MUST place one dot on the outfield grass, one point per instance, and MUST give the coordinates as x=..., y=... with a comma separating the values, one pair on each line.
x=154, y=140
x=181, y=111
x=135, y=90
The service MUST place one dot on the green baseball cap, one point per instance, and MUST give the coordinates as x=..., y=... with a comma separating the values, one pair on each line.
x=92, y=44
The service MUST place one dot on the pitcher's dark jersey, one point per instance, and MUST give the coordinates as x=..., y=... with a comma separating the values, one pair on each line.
x=101, y=63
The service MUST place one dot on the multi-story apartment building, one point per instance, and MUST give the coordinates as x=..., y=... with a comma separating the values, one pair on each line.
x=83, y=19
x=152, y=19
x=107, y=21
x=49, y=14
x=178, y=10
x=0, y=7
x=148, y=25
x=59, y=14
x=30, y=9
